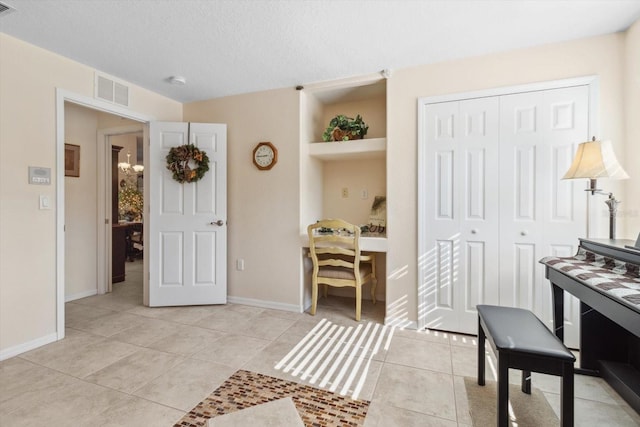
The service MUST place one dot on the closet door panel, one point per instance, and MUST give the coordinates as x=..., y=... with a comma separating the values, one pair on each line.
x=522, y=147
x=479, y=222
x=524, y=183
x=439, y=250
x=461, y=209
x=476, y=187
x=563, y=208
x=476, y=291
x=444, y=185
x=538, y=135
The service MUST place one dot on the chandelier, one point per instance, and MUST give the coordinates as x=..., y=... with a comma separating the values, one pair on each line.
x=127, y=168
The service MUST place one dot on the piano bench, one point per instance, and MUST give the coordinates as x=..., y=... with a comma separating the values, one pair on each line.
x=521, y=341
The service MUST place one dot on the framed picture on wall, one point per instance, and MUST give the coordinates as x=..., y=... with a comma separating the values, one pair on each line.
x=71, y=160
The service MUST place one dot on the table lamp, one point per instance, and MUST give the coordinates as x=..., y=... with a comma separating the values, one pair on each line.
x=593, y=160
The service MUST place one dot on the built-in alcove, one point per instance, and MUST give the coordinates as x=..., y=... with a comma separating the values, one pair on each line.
x=342, y=179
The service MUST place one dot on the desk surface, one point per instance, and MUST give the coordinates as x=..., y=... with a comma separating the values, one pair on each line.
x=368, y=242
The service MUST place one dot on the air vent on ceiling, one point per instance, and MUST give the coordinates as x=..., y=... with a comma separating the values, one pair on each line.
x=5, y=9
x=111, y=90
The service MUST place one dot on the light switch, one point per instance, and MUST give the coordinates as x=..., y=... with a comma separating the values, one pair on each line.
x=45, y=202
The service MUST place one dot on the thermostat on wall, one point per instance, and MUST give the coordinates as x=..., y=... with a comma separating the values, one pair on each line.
x=39, y=176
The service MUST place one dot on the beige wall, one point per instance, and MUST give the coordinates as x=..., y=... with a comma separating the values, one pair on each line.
x=355, y=176
x=601, y=56
x=263, y=206
x=630, y=209
x=80, y=126
x=29, y=77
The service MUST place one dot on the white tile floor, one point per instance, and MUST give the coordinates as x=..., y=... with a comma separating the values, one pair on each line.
x=123, y=364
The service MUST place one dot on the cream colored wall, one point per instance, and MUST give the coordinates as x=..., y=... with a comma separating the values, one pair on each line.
x=355, y=176
x=81, y=205
x=110, y=121
x=629, y=211
x=263, y=206
x=600, y=56
x=29, y=77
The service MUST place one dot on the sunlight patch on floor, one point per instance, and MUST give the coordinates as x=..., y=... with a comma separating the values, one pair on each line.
x=336, y=356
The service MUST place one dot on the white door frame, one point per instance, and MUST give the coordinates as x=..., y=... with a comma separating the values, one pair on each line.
x=63, y=96
x=104, y=201
x=593, y=82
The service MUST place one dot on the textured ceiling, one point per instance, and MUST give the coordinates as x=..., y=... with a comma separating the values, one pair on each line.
x=227, y=47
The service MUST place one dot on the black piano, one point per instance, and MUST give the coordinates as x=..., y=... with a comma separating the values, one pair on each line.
x=605, y=276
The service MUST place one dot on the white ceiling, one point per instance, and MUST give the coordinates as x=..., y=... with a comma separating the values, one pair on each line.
x=225, y=47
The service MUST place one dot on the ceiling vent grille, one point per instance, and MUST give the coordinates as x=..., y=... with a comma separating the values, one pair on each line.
x=5, y=9
x=111, y=90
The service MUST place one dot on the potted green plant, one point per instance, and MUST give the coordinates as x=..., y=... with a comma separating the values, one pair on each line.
x=343, y=128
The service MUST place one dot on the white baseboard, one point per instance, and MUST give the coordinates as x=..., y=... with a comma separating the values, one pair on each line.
x=83, y=294
x=24, y=347
x=401, y=323
x=264, y=304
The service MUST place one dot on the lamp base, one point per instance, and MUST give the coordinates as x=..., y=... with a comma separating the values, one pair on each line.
x=613, y=203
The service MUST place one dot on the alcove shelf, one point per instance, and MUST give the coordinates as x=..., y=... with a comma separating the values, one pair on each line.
x=369, y=148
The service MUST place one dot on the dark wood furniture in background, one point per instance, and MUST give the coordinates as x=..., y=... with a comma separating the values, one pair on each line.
x=119, y=233
x=118, y=251
x=135, y=238
x=115, y=185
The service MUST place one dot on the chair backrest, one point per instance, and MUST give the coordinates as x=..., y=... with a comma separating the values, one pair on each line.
x=334, y=243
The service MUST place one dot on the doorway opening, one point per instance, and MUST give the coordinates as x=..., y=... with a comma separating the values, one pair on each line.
x=83, y=216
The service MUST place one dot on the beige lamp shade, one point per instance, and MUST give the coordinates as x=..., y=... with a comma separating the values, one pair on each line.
x=593, y=160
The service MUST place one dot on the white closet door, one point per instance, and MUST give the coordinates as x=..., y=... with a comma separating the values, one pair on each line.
x=479, y=210
x=438, y=261
x=492, y=203
x=540, y=214
x=459, y=268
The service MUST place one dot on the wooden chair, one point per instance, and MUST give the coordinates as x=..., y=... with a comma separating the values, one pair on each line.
x=337, y=260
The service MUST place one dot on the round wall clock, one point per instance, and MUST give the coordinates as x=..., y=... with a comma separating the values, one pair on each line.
x=265, y=155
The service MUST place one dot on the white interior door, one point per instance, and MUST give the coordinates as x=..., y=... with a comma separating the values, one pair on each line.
x=459, y=265
x=187, y=236
x=540, y=215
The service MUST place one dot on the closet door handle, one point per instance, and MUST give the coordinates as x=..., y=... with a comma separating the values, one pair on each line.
x=524, y=232
x=474, y=231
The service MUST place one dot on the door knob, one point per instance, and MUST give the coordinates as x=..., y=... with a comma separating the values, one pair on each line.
x=474, y=230
x=524, y=232
x=218, y=222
